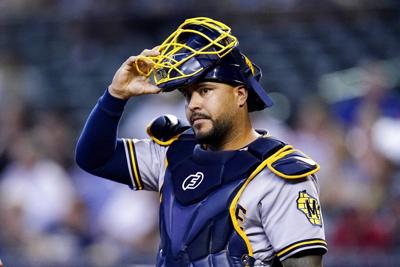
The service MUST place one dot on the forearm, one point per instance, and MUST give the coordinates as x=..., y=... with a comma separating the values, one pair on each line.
x=98, y=140
x=304, y=261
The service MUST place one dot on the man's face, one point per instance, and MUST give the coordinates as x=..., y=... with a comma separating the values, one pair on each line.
x=210, y=110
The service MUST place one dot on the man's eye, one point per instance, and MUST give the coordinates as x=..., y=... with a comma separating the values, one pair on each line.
x=204, y=91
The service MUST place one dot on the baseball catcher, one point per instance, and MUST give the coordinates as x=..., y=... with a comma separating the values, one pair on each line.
x=230, y=195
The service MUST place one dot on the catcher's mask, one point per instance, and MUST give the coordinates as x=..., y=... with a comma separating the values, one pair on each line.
x=203, y=49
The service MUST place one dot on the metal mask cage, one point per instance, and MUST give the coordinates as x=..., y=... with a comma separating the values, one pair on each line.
x=196, y=45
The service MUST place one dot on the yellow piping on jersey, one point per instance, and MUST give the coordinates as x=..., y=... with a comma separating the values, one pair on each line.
x=235, y=200
x=133, y=162
x=294, y=246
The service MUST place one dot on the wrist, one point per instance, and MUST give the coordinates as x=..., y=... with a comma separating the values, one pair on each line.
x=117, y=93
x=112, y=105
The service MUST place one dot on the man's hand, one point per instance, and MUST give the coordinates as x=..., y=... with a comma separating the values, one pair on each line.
x=128, y=81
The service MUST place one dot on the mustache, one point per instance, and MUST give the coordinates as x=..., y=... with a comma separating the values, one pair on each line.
x=198, y=115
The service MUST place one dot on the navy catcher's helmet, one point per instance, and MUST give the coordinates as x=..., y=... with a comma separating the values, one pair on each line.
x=203, y=49
x=234, y=70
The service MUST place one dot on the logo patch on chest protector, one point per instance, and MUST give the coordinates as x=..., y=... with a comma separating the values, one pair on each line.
x=310, y=207
x=192, y=181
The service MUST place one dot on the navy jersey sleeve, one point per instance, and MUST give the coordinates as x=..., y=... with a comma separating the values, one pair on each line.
x=98, y=150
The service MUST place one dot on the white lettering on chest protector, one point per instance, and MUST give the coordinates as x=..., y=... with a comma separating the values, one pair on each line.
x=192, y=181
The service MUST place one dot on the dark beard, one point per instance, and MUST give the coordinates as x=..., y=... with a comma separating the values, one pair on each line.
x=217, y=135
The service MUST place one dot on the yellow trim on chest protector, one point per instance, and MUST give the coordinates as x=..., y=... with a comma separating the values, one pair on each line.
x=284, y=151
x=163, y=143
x=160, y=142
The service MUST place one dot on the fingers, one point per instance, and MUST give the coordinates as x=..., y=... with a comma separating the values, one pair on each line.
x=130, y=62
x=149, y=87
x=141, y=60
x=150, y=52
x=156, y=48
x=144, y=53
x=138, y=65
x=153, y=89
x=146, y=87
x=143, y=66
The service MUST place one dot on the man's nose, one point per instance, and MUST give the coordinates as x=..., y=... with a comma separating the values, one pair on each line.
x=195, y=101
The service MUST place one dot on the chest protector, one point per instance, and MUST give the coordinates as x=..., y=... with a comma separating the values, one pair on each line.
x=198, y=223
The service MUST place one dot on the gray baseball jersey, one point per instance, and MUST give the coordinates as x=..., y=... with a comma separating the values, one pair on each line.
x=278, y=217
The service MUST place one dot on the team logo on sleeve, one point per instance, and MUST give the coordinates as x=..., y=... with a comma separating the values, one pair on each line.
x=192, y=181
x=310, y=207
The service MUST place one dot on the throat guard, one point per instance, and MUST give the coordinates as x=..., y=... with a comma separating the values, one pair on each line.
x=198, y=223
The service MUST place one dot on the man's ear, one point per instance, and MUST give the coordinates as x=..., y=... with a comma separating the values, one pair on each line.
x=242, y=95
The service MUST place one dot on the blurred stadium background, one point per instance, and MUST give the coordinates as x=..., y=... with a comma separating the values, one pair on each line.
x=332, y=67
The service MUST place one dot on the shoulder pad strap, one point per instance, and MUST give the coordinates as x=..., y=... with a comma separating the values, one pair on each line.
x=289, y=163
x=264, y=147
x=165, y=129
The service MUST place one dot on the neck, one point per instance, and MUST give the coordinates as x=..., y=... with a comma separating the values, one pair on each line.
x=238, y=137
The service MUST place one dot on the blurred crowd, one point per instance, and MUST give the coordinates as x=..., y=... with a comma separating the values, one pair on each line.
x=52, y=70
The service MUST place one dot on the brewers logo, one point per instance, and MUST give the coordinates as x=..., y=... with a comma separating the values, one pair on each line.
x=310, y=207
